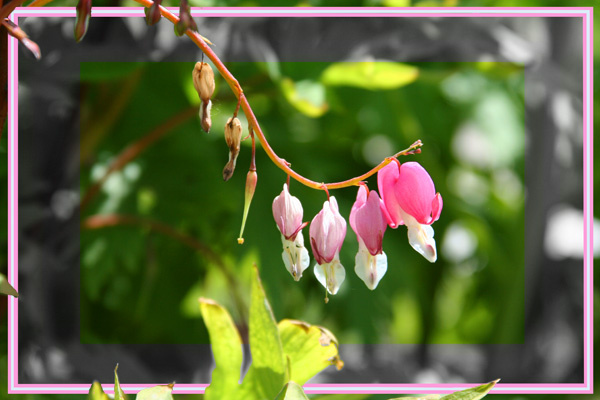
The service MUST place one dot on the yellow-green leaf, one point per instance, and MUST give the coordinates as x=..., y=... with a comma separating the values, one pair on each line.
x=309, y=348
x=308, y=97
x=227, y=350
x=265, y=377
x=6, y=288
x=372, y=75
x=161, y=392
x=424, y=397
x=292, y=391
x=96, y=392
x=475, y=393
x=119, y=394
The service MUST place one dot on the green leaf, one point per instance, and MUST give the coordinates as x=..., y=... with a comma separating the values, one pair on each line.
x=161, y=392
x=306, y=96
x=475, y=393
x=372, y=75
x=96, y=392
x=424, y=397
x=310, y=349
x=291, y=391
x=226, y=347
x=6, y=288
x=265, y=376
x=119, y=394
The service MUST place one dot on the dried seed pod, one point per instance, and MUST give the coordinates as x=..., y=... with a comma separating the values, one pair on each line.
x=205, y=120
x=233, y=138
x=204, y=81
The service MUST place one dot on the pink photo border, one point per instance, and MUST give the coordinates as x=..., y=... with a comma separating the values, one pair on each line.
x=14, y=387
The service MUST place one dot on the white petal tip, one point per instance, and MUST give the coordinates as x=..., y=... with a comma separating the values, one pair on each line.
x=295, y=257
x=331, y=275
x=370, y=269
x=421, y=239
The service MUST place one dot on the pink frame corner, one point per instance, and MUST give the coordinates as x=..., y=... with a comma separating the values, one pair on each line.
x=14, y=387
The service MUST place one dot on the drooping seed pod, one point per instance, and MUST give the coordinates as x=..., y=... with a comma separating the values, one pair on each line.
x=204, y=81
x=84, y=12
x=153, y=13
x=16, y=32
x=233, y=138
x=251, y=179
x=205, y=120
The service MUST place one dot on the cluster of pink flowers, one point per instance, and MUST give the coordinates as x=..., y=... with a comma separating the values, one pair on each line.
x=408, y=197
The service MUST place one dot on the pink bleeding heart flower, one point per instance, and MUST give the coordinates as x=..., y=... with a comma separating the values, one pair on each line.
x=287, y=212
x=369, y=221
x=410, y=199
x=327, y=233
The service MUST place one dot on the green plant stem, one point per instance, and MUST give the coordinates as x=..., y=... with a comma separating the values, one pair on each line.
x=100, y=221
x=239, y=93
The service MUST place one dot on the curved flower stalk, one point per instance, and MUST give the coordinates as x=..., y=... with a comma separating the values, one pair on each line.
x=369, y=221
x=327, y=233
x=287, y=211
x=410, y=199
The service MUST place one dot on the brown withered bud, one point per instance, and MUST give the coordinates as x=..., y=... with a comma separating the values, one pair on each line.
x=153, y=13
x=233, y=138
x=84, y=12
x=185, y=19
x=205, y=120
x=204, y=81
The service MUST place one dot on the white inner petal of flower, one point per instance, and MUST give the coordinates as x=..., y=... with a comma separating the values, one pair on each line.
x=420, y=237
x=331, y=275
x=370, y=268
x=295, y=256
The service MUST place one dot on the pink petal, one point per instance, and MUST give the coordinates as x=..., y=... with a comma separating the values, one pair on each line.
x=436, y=207
x=414, y=192
x=287, y=211
x=361, y=199
x=386, y=180
x=371, y=224
x=327, y=232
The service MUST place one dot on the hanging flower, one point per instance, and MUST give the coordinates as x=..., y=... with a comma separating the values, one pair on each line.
x=287, y=212
x=410, y=199
x=327, y=233
x=368, y=219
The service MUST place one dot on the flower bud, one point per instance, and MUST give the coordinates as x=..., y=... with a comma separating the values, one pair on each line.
x=204, y=81
x=251, y=180
x=327, y=233
x=84, y=11
x=16, y=32
x=185, y=19
x=233, y=138
x=153, y=13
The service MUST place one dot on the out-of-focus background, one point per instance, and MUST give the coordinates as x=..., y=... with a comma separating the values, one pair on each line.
x=497, y=103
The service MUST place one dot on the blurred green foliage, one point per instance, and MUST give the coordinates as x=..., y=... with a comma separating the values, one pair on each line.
x=137, y=277
x=186, y=266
